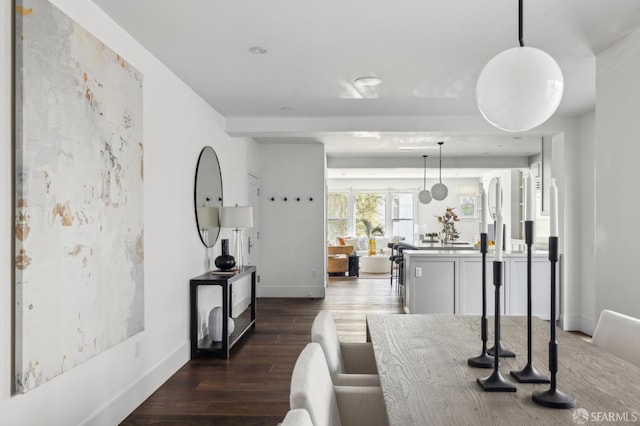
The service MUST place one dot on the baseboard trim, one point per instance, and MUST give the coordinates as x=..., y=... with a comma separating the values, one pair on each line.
x=587, y=325
x=293, y=292
x=124, y=403
x=571, y=322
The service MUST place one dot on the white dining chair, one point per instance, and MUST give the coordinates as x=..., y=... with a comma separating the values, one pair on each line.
x=618, y=334
x=297, y=417
x=329, y=405
x=350, y=363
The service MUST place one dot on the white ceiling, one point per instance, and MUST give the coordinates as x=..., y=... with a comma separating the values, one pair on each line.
x=428, y=54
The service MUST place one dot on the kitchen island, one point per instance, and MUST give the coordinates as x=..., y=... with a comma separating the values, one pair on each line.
x=450, y=282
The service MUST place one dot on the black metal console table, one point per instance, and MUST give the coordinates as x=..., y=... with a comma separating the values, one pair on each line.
x=205, y=347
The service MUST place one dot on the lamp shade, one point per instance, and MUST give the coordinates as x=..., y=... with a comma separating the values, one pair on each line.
x=519, y=89
x=236, y=217
x=208, y=217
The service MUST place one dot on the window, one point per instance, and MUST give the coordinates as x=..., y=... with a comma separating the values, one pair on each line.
x=402, y=216
x=372, y=208
x=468, y=207
x=338, y=216
x=393, y=212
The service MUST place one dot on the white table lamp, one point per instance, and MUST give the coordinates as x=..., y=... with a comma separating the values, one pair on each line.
x=237, y=218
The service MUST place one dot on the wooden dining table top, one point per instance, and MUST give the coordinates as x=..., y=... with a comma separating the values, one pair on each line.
x=425, y=379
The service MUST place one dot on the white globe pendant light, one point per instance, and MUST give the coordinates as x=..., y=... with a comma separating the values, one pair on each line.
x=439, y=191
x=424, y=196
x=520, y=88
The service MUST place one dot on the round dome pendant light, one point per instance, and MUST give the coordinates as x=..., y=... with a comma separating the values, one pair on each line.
x=424, y=196
x=439, y=191
x=520, y=88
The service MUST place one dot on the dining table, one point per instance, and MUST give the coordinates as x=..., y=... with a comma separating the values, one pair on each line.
x=425, y=379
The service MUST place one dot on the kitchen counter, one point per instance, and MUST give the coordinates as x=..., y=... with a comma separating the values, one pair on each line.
x=450, y=282
x=437, y=245
x=466, y=252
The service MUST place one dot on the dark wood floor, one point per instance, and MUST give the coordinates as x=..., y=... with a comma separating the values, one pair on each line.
x=252, y=387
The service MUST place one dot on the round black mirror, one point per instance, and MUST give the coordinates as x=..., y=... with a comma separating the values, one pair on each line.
x=208, y=196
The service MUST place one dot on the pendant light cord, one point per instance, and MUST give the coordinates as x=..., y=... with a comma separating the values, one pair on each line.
x=440, y=173
x=520, y=23
x=424, y=182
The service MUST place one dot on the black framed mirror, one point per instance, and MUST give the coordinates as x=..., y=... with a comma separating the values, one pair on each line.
x=208, y=196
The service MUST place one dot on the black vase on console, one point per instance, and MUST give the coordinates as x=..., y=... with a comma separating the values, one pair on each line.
x=225, y=261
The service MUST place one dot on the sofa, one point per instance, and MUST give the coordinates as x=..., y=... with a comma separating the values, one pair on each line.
x=361, y=244
x=338, y=259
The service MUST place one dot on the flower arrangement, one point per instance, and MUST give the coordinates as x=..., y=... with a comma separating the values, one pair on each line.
x=448, y=220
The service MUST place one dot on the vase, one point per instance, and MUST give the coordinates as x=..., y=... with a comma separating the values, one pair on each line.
x=445, y=236
x=372, y=246
x=225, y=261
x=215, y=324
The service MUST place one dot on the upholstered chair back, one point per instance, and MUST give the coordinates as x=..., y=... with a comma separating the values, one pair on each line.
x=312, y=388
x=324, y=332
x=297, y=417
x=618, y=334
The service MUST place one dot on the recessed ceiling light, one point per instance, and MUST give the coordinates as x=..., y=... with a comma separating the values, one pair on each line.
x=286, y=108
x=500, y=146
x=368, y=81
x=258, y=50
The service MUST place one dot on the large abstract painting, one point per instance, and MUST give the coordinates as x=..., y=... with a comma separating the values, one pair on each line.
x=79, y=196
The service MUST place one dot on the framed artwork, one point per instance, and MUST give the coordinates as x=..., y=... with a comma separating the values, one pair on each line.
x=468, y=208
x=79, y=224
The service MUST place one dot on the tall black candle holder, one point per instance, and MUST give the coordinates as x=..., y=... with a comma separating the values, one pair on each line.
x=496, y=382
x=529, y=374
x=503, y=352
x=552, y=397
x=483, y=360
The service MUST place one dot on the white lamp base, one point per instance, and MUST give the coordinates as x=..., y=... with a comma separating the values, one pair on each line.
x=238, y=250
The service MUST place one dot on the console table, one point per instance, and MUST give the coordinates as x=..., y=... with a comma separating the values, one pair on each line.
x=205, y=346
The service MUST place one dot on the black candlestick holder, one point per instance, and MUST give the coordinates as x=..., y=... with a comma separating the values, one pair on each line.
x=503, y=352
x=552, y=397
x=483, y=360
x=529, y=374
x=496, y=382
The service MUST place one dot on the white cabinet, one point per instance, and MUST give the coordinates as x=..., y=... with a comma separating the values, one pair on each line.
x=433, y=291
x=471, y=287
x=439, y=283
x=540, y=287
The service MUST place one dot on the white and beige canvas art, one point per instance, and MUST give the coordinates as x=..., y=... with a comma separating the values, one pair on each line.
x=79, y=281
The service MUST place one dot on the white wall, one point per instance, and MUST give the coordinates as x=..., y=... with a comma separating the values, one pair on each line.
x=292, y=233
x=177, y=124
x=587, y=199
x=617, y=153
